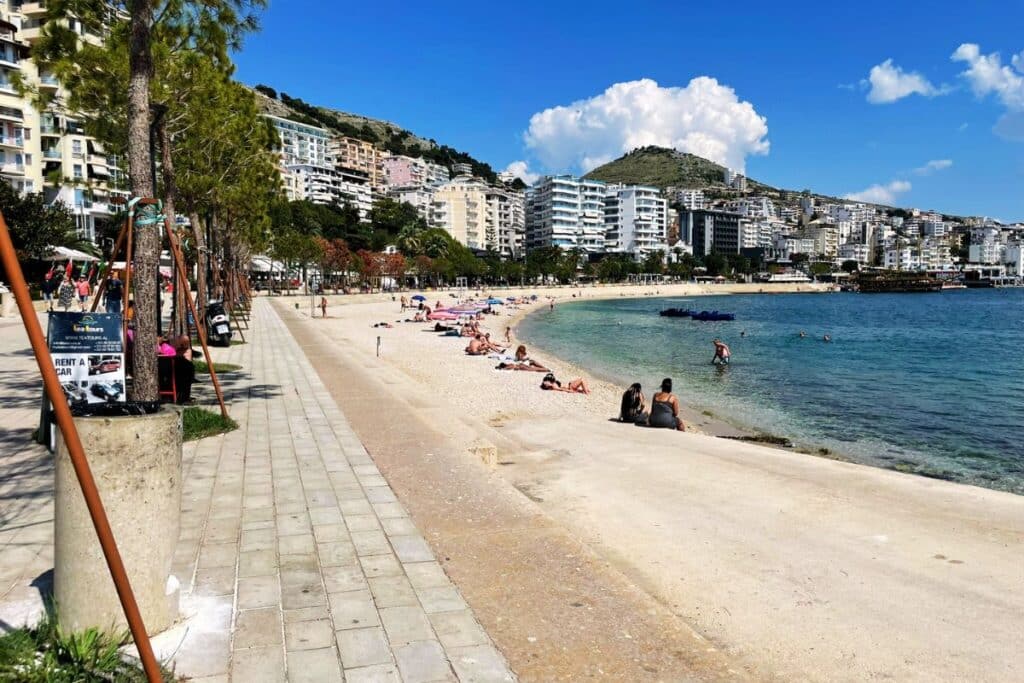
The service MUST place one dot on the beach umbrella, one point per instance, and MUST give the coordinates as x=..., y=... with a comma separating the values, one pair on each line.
x=494, y=301
x=419, y=297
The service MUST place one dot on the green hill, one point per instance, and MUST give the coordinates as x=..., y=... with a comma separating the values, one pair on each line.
x=662, y=167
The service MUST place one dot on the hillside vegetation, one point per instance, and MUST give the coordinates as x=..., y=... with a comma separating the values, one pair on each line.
x=384, y=134
x=661, y=167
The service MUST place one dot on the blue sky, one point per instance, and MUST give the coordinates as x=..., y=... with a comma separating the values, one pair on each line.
x=473, y=74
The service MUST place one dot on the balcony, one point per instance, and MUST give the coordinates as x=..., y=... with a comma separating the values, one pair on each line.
x=49, y=129
x=12, y=142
x=52, y=154
x=34, y=8
x=12, y=168
x=10, y=114
x=48, y=81
x=31, y=34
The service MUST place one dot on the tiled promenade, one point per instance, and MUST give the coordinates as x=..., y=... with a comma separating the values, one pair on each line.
x=296, y=560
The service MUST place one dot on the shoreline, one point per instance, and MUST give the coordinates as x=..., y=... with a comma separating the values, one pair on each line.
x=774, y=558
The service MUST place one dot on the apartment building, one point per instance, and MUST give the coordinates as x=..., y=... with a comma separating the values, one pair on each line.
x=854, y=251
x=691, y=199
x=752, y=207
x=359, y=155
x=756, y=233
x=566, y=212
x=403, y=171
x=420, y=197
x=48, y=151
x=460, y=207
x=712, y=231
x=635, y=220
x=506, y=221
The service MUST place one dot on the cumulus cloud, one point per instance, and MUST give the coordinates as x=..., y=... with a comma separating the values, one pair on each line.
x=704, y=118
x=521, y=170
x=890, y=83
x=987, y=75
x=881, y=194
x=933, y=166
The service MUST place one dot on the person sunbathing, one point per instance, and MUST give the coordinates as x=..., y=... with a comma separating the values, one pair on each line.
x=476, y=347
x=576, y=386
x=527, y=367
x=491, y=346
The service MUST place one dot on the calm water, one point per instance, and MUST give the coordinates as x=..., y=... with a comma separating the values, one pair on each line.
x=925, y=383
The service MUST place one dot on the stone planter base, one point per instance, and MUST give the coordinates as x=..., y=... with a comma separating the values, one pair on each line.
x=136, y=462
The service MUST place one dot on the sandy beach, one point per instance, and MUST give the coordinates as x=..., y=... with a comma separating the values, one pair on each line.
x=788, y=565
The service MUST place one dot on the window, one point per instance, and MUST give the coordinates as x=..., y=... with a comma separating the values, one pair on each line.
x=26, y=133
x=28, y=159
x=76, y=146
x=78, y=170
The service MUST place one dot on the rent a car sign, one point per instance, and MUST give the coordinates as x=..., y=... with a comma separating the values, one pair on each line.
x=88, y=355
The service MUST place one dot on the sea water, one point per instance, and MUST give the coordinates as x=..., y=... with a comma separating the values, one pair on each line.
x=926, y=383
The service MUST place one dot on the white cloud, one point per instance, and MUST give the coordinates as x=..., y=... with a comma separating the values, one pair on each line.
x=704, y=118
x=988, y=75
x=521, y=170
x=933, y=165
x=963, y=127
x=890, y=83
x=881, y=194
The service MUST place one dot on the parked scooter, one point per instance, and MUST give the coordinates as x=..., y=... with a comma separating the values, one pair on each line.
x=218, y=325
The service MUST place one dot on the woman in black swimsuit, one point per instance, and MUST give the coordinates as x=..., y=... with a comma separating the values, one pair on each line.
x=665, y=408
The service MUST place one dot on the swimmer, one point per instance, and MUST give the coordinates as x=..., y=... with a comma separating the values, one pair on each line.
x=722, y=353
x=826, y=338
x=802, y=334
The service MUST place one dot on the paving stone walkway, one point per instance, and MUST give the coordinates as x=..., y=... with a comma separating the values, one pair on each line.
x=296, y=560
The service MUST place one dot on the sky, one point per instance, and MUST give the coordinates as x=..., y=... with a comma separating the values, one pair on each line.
x=914, y=104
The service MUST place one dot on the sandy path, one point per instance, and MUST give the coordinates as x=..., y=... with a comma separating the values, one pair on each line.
x=800, y=567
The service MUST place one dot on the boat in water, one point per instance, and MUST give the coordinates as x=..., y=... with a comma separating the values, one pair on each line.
x=712, y=316
x=676, y=313
x=890, y=281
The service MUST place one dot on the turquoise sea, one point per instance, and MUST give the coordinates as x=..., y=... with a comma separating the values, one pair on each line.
x=925, y=383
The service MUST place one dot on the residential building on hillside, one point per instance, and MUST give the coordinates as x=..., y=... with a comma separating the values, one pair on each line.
x=634, y=220
x=418, y=196
x=462, y=169
x=460, y=207
x=752, y=207
x=712, y=231
x=302, y=143
x=854, y=251
x=567, y=212
x=756, y=233
x=359, y=155
x=403, y=171
x=48, y=151
x=691, y=199
x=825, y=237
x=784, y=246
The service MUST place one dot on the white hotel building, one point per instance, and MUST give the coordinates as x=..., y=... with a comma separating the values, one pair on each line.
x=635, y=220
x=566, y=212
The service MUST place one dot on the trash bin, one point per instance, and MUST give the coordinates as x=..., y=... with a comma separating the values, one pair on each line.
x=136, y=462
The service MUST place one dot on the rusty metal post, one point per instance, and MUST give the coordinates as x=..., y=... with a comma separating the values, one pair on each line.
x=77, y=454
x=179, y=261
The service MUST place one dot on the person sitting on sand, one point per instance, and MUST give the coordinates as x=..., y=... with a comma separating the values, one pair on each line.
x=722, y=353
x=633, y=406
x=438, y=327
x=576, y=386
x=508, y=335
x=476, y=347
x=491, y=346
x=665, y=408
x=524, y=359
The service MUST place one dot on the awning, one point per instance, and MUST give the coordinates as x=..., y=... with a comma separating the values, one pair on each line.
x=99, y=170
x=263, y=264
x=65, y=254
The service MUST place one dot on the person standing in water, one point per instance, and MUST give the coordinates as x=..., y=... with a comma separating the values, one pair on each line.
x=722, y=353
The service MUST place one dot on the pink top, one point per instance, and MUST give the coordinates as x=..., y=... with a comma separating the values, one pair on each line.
x=165, y=349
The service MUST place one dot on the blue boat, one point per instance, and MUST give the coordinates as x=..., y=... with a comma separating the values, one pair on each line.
x=709, y=316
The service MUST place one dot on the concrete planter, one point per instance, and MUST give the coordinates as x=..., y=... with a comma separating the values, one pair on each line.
x=136, y=461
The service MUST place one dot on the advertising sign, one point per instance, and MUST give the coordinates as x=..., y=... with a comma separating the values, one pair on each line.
x=88, y=356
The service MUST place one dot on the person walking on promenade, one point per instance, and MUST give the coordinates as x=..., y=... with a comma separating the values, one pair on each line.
x=65, y=294
x=323, y=306
x=84, y=290
x=113, y=294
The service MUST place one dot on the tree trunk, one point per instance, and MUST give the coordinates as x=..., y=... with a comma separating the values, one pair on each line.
x=170, y=190
x=202, y=261
x=147, y=237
